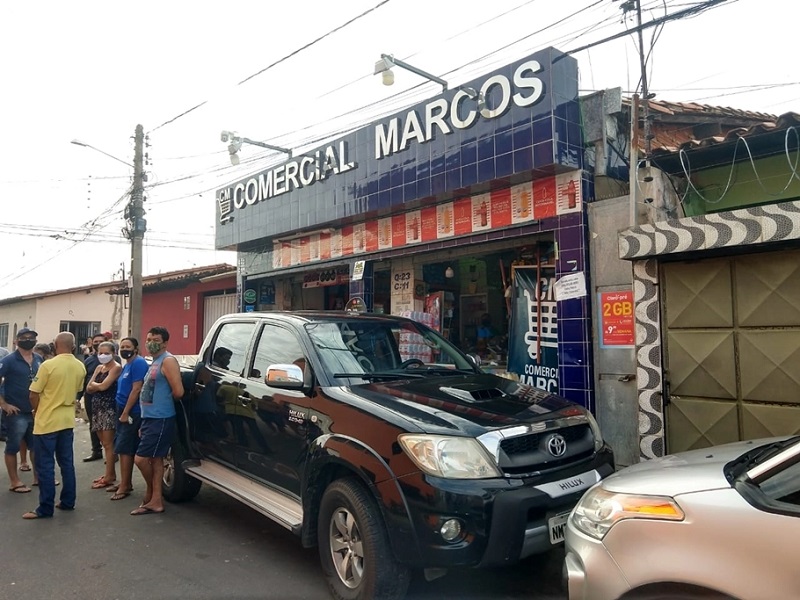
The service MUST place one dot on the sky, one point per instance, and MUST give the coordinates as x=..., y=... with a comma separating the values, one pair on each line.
x=289, y=74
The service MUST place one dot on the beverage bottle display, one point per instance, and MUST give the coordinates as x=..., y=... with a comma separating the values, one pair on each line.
x=572, y=194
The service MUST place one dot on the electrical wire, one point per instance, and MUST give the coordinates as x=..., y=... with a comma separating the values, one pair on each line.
x=387, y=107
x=686, y=167
x=279, y=61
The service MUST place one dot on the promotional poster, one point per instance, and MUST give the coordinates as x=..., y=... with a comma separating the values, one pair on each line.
x=533, y=337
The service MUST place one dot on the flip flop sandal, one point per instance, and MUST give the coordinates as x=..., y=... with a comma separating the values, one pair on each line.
x=115, y=488
x=24, y=467
x=144, y=510
x=102, y=484
x=20, y=489
x=120, y=495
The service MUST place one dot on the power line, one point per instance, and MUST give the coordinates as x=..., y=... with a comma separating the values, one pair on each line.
x=687, y=12
x=280, y=60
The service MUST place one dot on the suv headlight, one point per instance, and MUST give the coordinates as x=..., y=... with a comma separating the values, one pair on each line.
x=449, y=457
x=599, y=510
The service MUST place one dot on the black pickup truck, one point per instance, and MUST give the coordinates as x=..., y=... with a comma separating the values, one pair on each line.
x=377, y=440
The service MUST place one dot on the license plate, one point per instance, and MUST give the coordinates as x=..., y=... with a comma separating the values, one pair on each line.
x=557, y=526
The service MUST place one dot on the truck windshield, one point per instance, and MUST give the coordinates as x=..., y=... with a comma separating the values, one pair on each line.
x=361, y=346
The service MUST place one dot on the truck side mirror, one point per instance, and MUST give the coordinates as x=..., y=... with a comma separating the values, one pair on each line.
x=475, y=359
x=284, y=376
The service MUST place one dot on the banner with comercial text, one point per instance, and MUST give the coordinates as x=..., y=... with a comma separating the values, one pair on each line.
x=533, y=334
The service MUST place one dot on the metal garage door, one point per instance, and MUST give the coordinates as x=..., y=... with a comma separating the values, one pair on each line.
x=216, y=306
x=732, y=359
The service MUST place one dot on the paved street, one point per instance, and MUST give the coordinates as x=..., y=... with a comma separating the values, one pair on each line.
x=211, y=548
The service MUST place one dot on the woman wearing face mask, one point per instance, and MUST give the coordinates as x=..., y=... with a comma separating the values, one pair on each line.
x=126, y=438
x=103, y=388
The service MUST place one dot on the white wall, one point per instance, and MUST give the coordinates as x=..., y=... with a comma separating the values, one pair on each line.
x=89, y=304
x=45, y=314
x=18, y=315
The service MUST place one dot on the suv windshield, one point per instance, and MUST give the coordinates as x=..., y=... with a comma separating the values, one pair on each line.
x=362, y=346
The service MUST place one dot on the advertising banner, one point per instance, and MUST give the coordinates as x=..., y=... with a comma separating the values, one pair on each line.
x=616, y=319
x=533, y=337
x=522, y=203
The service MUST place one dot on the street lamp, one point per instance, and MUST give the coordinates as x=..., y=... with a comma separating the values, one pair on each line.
x=387, y=61
x=85, y=145
x=236, y=143
x=136, y=228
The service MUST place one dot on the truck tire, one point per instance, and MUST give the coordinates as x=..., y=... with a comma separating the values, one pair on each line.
x=178, y=485
x=354, y=546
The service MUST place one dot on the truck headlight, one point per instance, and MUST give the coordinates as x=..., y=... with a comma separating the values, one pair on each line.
x=599, y=510
x=449, y=457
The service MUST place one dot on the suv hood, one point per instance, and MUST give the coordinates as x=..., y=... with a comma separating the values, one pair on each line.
x=684, y=473
x=470, y=404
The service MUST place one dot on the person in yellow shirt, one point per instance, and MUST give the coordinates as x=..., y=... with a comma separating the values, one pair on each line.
x=52, y=395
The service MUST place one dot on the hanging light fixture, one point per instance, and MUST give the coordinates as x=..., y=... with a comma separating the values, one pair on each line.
x=449, y=273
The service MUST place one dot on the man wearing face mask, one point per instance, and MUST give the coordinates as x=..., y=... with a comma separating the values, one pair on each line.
x=17, y=370
x=161, y=386
x=91, y=362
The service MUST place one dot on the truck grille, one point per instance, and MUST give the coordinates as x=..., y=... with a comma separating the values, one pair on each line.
x=528, y=453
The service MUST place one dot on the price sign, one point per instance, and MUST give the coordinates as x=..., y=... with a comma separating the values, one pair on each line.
x=616, y=319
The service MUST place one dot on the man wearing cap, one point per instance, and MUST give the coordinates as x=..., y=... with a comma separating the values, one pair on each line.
x=52, y=395
x=3, y=353
x=17, y=370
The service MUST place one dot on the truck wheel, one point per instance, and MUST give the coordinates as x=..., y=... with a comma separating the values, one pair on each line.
x=178, y=485
x=354, y=546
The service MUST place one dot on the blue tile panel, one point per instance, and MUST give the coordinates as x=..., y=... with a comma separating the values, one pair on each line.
x=539, y=139
x=574, y=315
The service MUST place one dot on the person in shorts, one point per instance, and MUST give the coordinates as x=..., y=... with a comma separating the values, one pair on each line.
x=129, y=415
x=162, y=386
x=17, y=370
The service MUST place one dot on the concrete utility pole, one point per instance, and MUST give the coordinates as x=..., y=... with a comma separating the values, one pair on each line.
x=645, y=92
x=138, y=225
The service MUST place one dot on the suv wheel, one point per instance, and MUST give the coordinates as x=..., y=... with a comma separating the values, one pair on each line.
x=354, y=546
x=178, y=485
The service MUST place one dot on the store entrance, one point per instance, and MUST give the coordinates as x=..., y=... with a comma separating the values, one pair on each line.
x=468, y=296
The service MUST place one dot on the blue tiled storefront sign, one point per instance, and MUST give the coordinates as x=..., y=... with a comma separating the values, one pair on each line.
x=525, y=121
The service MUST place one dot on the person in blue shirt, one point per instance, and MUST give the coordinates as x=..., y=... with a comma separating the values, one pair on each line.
x=129, y=415
x=162, y=386
x=17, y=370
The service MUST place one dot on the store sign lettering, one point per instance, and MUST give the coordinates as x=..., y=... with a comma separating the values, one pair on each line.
x=461, y=112
x=292, y=175
x=335, y=276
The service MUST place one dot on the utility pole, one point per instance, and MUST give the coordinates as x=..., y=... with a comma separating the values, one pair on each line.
x=645, y=92
x=137, y=225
